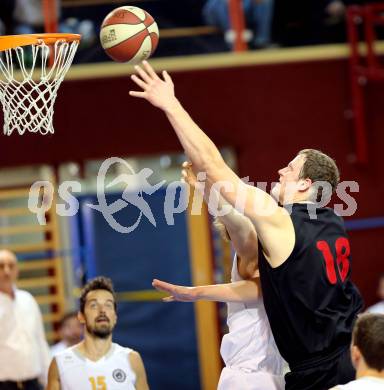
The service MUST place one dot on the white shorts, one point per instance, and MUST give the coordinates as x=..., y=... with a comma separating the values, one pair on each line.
x=233, y=378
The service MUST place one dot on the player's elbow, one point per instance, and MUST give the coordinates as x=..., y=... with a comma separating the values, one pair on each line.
x=253, y=288
x=245, y=243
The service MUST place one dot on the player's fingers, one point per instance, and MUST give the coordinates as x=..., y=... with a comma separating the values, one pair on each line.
x=138, y=94
x=188, y=173
x=186, y=164
x=158, y=282
x=190, y=180
x=163, y=286
x=161, y=289
x=187, y=168
x=167, y=77
x=191, y=174
x=169, y=299
x=148, y=68
x=159, y=286
x=139, y=82
x=142, y=74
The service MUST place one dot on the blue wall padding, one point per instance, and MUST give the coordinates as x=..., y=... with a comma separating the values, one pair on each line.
x=164, y=333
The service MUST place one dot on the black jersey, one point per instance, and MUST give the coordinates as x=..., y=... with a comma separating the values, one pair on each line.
x=310, y=301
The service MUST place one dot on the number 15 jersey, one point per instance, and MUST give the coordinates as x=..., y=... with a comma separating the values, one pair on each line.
x=112, y=372
x=309, y=299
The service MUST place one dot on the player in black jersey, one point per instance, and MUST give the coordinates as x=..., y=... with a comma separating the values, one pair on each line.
x=310, y=300
x=304, y=254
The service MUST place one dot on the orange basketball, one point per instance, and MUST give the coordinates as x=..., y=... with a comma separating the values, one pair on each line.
x=129, y=34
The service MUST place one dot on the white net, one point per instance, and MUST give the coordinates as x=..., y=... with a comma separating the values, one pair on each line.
x=28, y=88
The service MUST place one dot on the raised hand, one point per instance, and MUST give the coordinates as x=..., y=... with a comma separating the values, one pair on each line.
x=187, y=173
x=160, y=93
x=176, y=293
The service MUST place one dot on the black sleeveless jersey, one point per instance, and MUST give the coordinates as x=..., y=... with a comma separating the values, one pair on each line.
x=310, y=301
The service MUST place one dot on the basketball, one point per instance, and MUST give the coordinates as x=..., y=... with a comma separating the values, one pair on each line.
x=129, y=34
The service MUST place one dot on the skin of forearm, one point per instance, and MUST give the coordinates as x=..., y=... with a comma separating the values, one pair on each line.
x=244, y=291
x=232, y=219
x=205, y=157
x=200, y=149
x=236, y=223
x=240, y=229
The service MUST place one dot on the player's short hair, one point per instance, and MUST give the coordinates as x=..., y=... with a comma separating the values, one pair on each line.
x=320, y=167
x=220, y=227
x=98, y=283
x=66, y=317
x=368, y=336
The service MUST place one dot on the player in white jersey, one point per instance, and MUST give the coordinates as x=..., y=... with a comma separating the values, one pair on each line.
x=367, y=354
x=252, y=360
x=96, y=363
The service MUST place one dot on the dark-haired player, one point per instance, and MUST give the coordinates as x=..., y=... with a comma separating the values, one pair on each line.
x=96, y=363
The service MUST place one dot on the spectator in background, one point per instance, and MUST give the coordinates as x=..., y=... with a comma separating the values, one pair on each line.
x=367, y=353
x=6, y=15
x=70, y=333
x=29, y=18
x=24, y=352
x=96, y=360
x=335, y=15
x=258, y=14
x=336, y=8
x=379, y=307
x=334, y=20
x=304, y=22
x=260, y=20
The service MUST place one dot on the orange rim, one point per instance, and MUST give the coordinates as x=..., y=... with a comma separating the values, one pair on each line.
x=13, y=41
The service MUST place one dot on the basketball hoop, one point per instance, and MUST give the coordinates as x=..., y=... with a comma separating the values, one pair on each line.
x=28, y=94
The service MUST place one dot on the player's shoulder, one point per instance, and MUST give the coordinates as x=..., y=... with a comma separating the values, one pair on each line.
x=357, y=384
x=377, y=308
x=68, y=358
x=333, y=214
x=343, y=387
x=131, y=356
x=66, y=352
x=58, y=347
x=135, y=361
x=119, y=349
x=134, y=355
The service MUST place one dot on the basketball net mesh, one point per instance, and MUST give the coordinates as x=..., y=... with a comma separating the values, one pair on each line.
x=28, y=102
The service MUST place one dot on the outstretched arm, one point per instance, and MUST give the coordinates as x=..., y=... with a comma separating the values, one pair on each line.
x=202, y=152
x=244, y=239
x=244, y=291
x=199, y=148
x=272, y=222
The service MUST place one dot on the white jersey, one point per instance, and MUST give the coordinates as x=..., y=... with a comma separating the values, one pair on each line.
x=59, y=347
x=249, y=351
x=378, y=308
x=112, y=372
x=364, y=383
